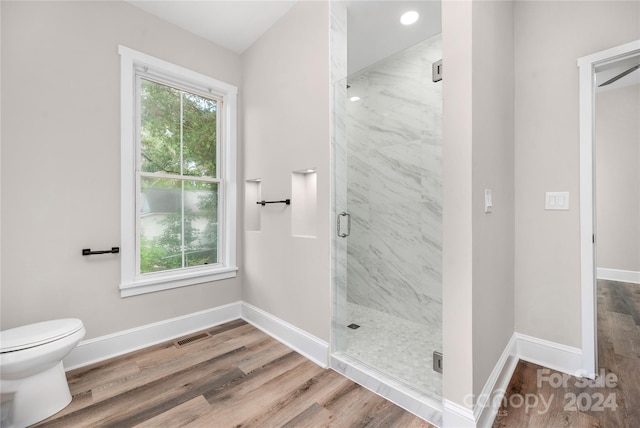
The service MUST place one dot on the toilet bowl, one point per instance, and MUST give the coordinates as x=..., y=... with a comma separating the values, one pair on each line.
x=33, y=385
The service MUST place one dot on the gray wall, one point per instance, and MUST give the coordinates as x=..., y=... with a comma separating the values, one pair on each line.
x=285, y=92
x=549, y=38
x=457, y=257
x=493, y=148
x=61, y=161
x=394, y=161
x=618, y=178
x=478, y=127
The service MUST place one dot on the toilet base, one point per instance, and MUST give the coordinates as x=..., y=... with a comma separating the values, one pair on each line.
x=31, y=400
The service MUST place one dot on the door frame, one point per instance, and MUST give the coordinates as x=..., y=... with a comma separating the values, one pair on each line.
x=588, y=277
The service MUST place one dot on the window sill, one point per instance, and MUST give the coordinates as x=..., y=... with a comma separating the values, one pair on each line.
x=151, y=284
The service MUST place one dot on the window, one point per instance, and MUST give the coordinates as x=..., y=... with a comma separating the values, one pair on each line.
x=178, y=156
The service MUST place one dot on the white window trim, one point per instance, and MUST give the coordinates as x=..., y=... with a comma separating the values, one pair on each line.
x=132, y=283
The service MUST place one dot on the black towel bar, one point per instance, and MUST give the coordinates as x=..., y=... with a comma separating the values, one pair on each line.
x=263, y=203
x=88, y=252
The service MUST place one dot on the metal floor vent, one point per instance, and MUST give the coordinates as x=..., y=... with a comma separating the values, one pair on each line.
x=191, y=339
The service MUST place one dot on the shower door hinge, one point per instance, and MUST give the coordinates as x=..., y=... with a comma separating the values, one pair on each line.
x=436, y=71
x=437, y=361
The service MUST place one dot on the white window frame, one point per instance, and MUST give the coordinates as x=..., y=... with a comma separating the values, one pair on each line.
x=133, y=64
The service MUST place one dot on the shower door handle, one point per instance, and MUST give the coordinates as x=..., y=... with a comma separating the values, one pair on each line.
x=339, y=223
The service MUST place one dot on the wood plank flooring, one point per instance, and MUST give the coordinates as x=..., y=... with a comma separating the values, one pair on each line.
x=238, y=377
x=613, y=403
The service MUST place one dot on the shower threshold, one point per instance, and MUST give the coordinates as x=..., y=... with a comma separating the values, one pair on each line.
x=405, y=396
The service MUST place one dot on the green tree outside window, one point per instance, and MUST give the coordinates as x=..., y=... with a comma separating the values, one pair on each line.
x=178, y=179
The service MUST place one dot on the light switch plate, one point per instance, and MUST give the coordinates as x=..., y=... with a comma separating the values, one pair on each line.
x=556, y=201
x=488, y=200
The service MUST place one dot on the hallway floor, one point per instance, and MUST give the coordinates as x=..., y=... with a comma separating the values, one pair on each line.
x=539, y=397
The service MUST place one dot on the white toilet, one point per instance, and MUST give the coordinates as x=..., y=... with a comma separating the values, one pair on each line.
x=33, y=384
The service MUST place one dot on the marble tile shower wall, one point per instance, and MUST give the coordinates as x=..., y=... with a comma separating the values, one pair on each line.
x=394, y=160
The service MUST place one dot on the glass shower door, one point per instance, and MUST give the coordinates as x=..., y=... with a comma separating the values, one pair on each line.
x=388, y=200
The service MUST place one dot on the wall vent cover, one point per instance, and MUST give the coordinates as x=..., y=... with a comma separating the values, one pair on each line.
x=191, y=339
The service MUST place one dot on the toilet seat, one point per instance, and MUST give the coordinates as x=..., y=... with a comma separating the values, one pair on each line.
x=29, y=336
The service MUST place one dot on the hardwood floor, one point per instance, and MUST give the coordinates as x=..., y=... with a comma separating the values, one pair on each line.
x=238, y=376
x=537, y=398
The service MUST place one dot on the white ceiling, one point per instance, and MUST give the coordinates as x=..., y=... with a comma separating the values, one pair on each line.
x=233, y=24
x=375, y=31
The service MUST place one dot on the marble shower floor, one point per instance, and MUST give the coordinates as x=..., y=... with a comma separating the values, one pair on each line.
x=397, y=347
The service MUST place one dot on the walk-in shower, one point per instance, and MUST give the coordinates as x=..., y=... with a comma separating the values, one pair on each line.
x=387, y=147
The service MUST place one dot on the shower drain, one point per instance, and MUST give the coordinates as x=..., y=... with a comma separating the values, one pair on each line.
x=353, y=326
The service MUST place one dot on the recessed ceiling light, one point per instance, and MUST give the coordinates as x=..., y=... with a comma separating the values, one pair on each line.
x=352, y=99
x=409, y=17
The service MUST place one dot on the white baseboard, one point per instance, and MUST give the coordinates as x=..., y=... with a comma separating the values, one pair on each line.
x=618, y=275
x=549, y=354
x=299, y=340
x=565, y=359
x=457, y=416
x=488, y=403
x=112, y=345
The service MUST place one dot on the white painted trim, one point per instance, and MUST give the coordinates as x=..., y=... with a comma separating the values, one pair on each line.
x=619, y=275
x=307, y=345
x=132, y=65
x=586, y=66
x=556, y=356
x=611, y=54
x=565, y=359
x=127, y=167
x=166, y=68
x=457, y=416
x=112, y=345
x=587, y=223
x=488, y=403
x=181, y=279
